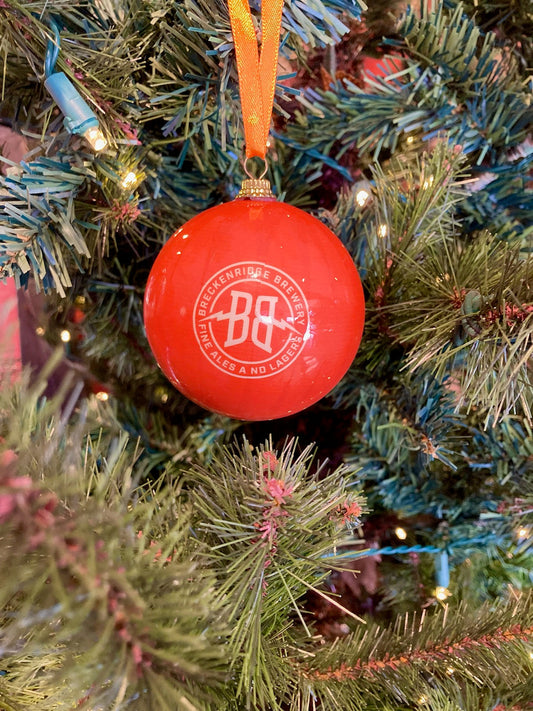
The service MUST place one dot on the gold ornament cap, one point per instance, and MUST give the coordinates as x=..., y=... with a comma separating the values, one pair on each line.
x=255, y=188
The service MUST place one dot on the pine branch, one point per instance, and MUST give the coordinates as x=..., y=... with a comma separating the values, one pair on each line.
x=104, y=605
x=481, y=332
x=453, y=82
x=36, y=242
x=425, y=661
x=185, y=50
x=455, y=484
x=268, y=525
x=461, y=308
x=512, y=22
x=110, y=567
x=501, y=201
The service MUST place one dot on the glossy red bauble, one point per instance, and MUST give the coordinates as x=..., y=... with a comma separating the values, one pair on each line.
x=254, y=309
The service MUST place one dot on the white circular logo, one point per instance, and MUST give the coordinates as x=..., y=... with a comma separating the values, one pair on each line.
x=251, y=320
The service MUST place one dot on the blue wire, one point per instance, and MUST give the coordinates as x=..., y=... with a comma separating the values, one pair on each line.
x=52, y=50
x=387, y=550
x=399, y=550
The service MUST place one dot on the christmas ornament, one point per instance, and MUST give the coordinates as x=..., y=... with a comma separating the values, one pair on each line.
x=254, y=309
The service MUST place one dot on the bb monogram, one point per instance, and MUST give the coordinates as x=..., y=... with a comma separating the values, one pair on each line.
x=251, y=320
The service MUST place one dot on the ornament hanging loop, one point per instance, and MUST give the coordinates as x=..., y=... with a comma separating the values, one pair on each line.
x=248, y=172
x=255, y=187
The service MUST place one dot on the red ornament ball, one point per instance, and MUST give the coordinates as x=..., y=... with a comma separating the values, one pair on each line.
x=254, y=309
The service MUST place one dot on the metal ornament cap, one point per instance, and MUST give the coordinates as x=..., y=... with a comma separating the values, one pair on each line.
x=255, y=188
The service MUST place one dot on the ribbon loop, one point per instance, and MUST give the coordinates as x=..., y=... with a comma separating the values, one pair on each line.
x=257, y=72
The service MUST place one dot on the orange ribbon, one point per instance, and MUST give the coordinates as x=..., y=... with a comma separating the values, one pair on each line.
x=257, y=73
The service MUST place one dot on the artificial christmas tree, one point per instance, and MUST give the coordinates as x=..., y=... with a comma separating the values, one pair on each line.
x=159, y=556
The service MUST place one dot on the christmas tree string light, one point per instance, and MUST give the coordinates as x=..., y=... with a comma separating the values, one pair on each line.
x=442, y=564
x=79, y=117
x=522, y=534
x=129, y=180
x=442, y=575
x=401, y=533
x=361, y=197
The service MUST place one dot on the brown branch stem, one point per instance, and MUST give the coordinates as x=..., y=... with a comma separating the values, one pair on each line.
x=371, y=668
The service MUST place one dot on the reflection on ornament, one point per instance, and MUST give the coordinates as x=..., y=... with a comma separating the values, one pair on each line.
x=254, y=309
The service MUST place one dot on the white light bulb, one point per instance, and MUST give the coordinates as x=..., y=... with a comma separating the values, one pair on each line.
x=65, y=336
x=95, y=138
x=522, y=534
x=102, y=396
x=401, y=533
x=383, y=230
x=129, y=180
x=361, y=197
